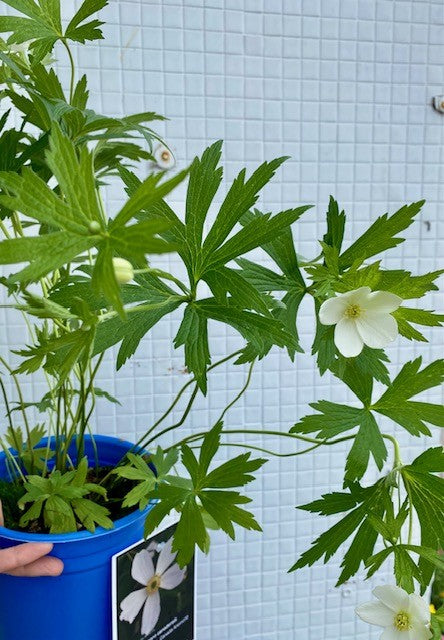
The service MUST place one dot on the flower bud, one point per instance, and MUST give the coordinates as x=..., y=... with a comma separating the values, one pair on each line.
x=94, y=227
x=123, y=270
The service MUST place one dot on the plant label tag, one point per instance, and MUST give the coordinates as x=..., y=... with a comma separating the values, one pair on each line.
x=153, y=598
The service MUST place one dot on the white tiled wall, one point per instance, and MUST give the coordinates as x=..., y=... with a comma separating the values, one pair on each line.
x=344, y=88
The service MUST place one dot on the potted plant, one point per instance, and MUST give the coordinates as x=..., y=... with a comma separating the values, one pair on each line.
x=84, y=282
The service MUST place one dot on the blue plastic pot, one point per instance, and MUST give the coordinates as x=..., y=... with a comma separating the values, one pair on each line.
x=76, y=605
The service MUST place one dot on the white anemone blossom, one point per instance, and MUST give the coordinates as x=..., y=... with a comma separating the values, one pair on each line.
x=361, y=317
x=165, y=575
x=403, y=616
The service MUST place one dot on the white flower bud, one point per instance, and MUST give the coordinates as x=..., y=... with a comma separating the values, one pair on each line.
x=123, y=270
x=164, y=158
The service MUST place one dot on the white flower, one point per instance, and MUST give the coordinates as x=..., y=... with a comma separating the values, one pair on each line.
x=361, y=317
x=164, y=158
x=123, y=270
x=404, y=616
x=165, y=576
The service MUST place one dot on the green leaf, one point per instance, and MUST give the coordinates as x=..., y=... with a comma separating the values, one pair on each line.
x=193, y=335
x=331, y=503
x=205, y=178
x=426, y=493
x=44, y=253
x=256, y=233
x=261, y=331
x=395, y=404
x=368, y=441
x=91, y=514
x=242, y=294
x=158, y=300
x=241, y=197
x=202, y=495
x=149, y=192
x=381, y=236
x=80, y=31
x=405, y=316
x=362, y=502
x=332, y=420
x=335, y=225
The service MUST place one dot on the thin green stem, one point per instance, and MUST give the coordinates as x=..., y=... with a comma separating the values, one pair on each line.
x=240, y=394
x=267, y=451
x=143, y=307
x=294, y=436
x=73, y=70
x=4, y=228
x=188, y=384
x=397, y=463
x=176, y=425
x=22, y=408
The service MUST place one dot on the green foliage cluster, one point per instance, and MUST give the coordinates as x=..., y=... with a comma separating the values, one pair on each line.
x=60, y=245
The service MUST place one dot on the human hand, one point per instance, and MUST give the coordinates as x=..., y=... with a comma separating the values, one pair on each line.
x=30, y=559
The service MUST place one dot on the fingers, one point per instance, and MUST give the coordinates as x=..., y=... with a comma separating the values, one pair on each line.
x=22, y=555
x=47, y=566
x=2, y=519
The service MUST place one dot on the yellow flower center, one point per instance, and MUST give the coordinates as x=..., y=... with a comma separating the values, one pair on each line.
x=402, y=621
x=153, y=585
x=165, y=155
x=353, y=311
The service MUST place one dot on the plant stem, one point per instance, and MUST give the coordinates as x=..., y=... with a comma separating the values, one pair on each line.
x=73, y=70
x=176, y=425
x=267, y=451
x=397, y=463
x=22, y=408
x=315, y=441
x=241, y=392
x=138, y=444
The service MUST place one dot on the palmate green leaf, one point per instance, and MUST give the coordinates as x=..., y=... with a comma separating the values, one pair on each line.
x=203, y=494
x=395, y=401
x=381, y=236
x=359, y=502
x=42, y=24
x=332, y=420
x=61, y=498
x=79, y=30
x=79, y=218
x=405, y=316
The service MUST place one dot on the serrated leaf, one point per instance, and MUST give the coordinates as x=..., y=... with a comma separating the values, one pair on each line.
x=335, y=225
x=193, y=335
x=241, y=197
x=381, y=236
x=368, y=441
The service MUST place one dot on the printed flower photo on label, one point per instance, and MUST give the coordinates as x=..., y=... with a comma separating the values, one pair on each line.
x=155, y=595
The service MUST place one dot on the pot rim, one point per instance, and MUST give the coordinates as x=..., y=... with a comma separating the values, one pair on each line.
x=121, y=523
